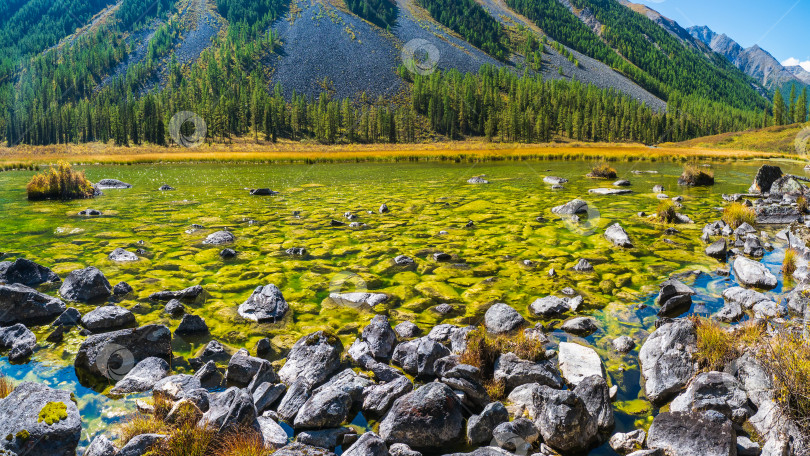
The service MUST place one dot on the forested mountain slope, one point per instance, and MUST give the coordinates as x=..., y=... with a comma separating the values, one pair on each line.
x=334, y=71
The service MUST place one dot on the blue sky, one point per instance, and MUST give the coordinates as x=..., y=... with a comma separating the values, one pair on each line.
x=781, y=27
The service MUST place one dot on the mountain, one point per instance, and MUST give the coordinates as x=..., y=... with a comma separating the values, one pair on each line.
x=800, y=73
x=515, y=70
x=754, y=61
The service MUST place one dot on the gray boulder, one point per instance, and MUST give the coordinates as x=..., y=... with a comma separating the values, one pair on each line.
x=514, y=372
x=141, y=444
x=112, y=355
x=326, y=408
x=85, y=285
x=105, y=184
x=580, y=326
x=358, y=299
x=517, y=436
x=108, y=318
x=429, y=418
x=480, y=427
x=273, y=435
x=100, y=446
x=553, y=180
x=242, y=368
x=26, y=272
x=666, y=359
x=417, y=357
x=220, y=238
x=501, y=318
x=753, y=274
x=595, y=393
x=400, y=449
x=369, y=444
x=267, y=394
x=325, y=438
x=265, y=304
x=578, y=362
x=380, y=337
x=20, y=411
x=618, y=236
x=192, y=325
x=230, y=409
x=378, y=399
x=576, y=206
x=120, y=255
x=313, y=357
x=143, y=376
x=693, y=434
x=765, y=178
x=563, y=419
x=70, y=317
x=625, y=443
x=297, y=394
x=583, y=265
x=674, y=297
x=177, y=387
x=624, y=344
x=187, y=294
x=716, y=391
x=549, y=307
x=20, y=340
x=407, y=330
x=21, y=304
x=718, y=249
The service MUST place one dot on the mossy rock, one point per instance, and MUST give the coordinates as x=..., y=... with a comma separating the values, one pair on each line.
x=52, y=413
x=24, y=435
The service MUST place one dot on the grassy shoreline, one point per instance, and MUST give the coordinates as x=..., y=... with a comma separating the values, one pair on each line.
x=297, y=152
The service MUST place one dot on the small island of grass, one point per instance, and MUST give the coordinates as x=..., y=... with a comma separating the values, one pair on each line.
x=62, y=183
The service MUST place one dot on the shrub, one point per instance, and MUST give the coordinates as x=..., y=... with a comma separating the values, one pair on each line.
x=695, y=175
x=603, y=171
x=6, y=387
x=786, y=357
x=789, y=263
x=717, y=346
x=801, y=203
x=60, y=183
x=666, y=212
x=735, y=214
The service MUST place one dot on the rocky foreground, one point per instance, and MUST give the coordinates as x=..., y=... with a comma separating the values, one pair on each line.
x=426, y=398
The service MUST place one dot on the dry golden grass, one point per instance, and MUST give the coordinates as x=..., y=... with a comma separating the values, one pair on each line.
x=779, y=139
x=243, y=442
x=141, y=424
x=786, y=357
x=484, y=349
x=789, y=263
x=60, y=182
x=602, y=171
x=302, y=152
x=802, y=205
x=735, y=214
x=693, y=174
x=6, y=387
x=666, y=211
x=717, y=346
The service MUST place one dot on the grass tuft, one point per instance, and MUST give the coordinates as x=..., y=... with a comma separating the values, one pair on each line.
x=717, y=346
x=786, y=357
x=242, y=442
x=602, y=171
x=6, y=387
x=484, y=349
x=735, y=214
x=60, y=183
x=139, y=425
x=789, y=263
x=666, y=212
x=697, y=176
x=801, y=203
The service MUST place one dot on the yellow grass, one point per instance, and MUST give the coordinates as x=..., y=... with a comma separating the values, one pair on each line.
x=302, y=152
x=6, y=387
x=789, y=263
x=693, y=174
x=735, y=214
x=787, y=358
x=666, y=211
x=717, y=346
x=60, y=182
x=779, y=139
x=602, y=171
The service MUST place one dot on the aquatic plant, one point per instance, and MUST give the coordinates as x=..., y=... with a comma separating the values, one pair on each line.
x=786, y=357
x=61, y=183
x=695, y=175
x=52, y=413
x=789, y=263
x=6, y=387
x=666, y=212
x=602, y=171
x=735, y=214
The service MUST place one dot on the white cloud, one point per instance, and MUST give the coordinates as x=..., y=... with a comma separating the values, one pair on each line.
x=793, y=61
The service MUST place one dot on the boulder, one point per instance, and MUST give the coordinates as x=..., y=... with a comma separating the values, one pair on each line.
x=467, y=380
x=378, y=399
x=718, y=249
x=166, y=188
x=230, y=409
x=188, y=294
x=325, y=438
x=407, y=330
x=429, y=418
x=625, y=443
x=480, y=427
x=141, y=444
x=175, y=308
x=573, y=207
x=227, y=254
x=26, y=272
x=191, y=325
x=108, y=318
x=501, y=318
x=583, y=265
x=618, y=236
x=477, y=180
x=50, y=416
x=777, y=215
x=610, y=191
x=624, y=344
x=517, y=436
x=143, y=376
x=114, y=354
x=549, y=307
x=553, y=180
x=267, y=394
x=266, y=304
x=666, y=359
x=242, y=368
x=765, y=178
x=580, y=326
x=753, y=274
x=20, y=340
x=122, y=289
x=787, y=185
x=693, y=434
x=417, y=357
x=177, y=387
x=595, y=393
x=562, y=419
x=70, y=317
x=578, y=362
x=716, y=391
x=123, y=256
x=90, y=212
x=400, y=449
x=220, y=238
x=674, y=297
x=313, y=357
x=379, y=337
x=105, y=184
x=297, y=394
x=263, y=192
x=358, y=299
x=369, y=444
x=326, y=408
x=85, y=285
x=514, y=372
x=21, y=304
x=100, y=446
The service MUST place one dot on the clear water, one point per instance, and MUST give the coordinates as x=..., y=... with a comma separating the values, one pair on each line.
x=424, y=198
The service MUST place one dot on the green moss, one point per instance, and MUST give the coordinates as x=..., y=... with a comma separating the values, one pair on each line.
x=53, y=412
x=23, y=435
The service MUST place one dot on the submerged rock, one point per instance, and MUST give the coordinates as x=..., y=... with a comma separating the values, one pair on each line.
x=220, y=238
x=123, y=256
x=553, y=180
x=576, y=206
x=143, y=376
x=27, y=273
x=265, y=304
x=618, y=236
x=263, y=192
x=477, y=180
x=188, y=294
x=105, y=184
x=358, y=299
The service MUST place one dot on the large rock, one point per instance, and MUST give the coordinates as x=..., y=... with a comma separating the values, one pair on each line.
x=501, y=318
x=85, y=285
x=242, y=368
x=578, y=362
x=560, y=415
x=123, y=256
x=27, y=273
x=20, y=340
x=549, y=307
x=101, y=446
x=517, y=436
x=358, y=299
x=429, y=418
x=417, y=357
x=300, y=449
x=576, y=206
x=230, y=409
x=108, y=318
x=57, y=433
x=327, y=408
x=765, y=178
x=105, y=184
x=666, y=359
x=718, y=249
x=273, y=435
x=379, y=337
x=513, y=372
x=265, y=304
x=377, y=399
x=187, y=294
x=480, y=427
x=114, y=354
x=369, y=444
x=297, y=394
x=787, y=185
x=753, y=274
x=177, y=387
x=143, y=376
x=21, y=304
x=777, y=215
x=313, y=357
x=716, y=391
x=140, y=445
x=618, y=236
x=674, y=297
x=191, y=325
x=595, y=393
x=220, y=238
x=693, y=434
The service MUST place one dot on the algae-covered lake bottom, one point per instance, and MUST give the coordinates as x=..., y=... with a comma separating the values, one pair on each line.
x=504, y=257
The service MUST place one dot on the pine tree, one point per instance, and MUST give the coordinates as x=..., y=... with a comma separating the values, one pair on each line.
x=778, y=108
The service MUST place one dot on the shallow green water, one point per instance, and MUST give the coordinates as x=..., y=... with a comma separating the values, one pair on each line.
x=425, y=199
